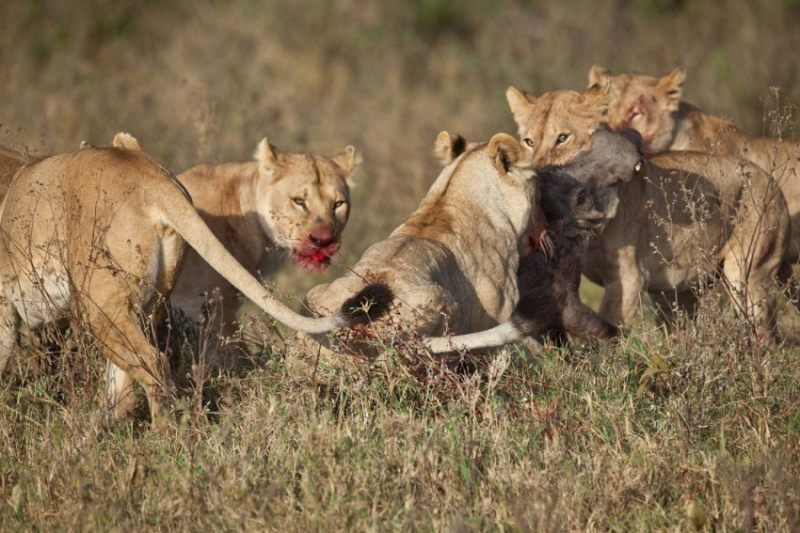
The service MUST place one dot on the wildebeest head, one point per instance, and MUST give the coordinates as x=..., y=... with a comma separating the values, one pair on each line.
x=585, y=190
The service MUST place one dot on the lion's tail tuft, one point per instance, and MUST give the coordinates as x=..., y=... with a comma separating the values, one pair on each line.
x=371, y=303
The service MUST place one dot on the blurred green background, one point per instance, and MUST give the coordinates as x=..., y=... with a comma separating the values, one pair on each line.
x=201, y=81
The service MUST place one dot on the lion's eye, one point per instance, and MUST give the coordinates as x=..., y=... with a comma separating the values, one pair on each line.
x=583, y=198
x=562, y=138
x=528, y=141
x=299, y=201
x=337, y=204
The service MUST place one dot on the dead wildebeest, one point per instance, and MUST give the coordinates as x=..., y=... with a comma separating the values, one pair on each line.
x=577, y=201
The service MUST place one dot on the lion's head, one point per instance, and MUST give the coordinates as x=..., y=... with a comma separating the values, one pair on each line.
x=566, y=131
x=303, y=201
x=644, y=103
x=502, y=147
x=558, y=125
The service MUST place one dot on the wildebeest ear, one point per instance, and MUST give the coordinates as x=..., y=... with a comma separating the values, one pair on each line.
x=506, y=152
x=672, y=85
x=448, y=147
x=519, y=102
x=598, y=75
x=127, y=141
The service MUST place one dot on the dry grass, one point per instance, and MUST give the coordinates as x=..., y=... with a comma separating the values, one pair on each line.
x=582, y=439
x=573, y=440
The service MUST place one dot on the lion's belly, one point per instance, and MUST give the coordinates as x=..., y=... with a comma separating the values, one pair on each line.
x=670, y=278
x=32, y=265
x=40, y=298
x=677, y=255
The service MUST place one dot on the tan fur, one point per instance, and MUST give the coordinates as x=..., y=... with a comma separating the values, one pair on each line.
x=565, y=121
x=453, y=263
x=98, y=235
x=682, y=211
x=251, y=209
x=653, y=107
x=10, y=162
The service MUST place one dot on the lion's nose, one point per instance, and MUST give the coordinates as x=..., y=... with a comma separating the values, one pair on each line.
x=322, y=237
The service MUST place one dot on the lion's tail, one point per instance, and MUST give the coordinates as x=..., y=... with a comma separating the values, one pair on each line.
x=505, y=333
x=369, y=304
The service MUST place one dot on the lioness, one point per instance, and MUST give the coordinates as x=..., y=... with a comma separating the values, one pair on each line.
x=577, y=200
x=452, y=265
x=653, y=107
x=680, y=211
x=279, y=203
x=98, y=235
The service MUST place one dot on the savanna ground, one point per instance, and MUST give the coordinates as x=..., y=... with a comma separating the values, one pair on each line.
x=699, y=429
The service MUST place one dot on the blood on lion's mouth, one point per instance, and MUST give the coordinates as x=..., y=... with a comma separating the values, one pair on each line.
x=317, y=259
x=313, y=261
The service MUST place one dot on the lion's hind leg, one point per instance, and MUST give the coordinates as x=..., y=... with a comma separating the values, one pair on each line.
x=119, y=398
x=753, y=288
x=9, y=329
x=130, y=358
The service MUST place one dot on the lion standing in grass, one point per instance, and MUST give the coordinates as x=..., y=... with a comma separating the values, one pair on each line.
x=654, y=108
x=279, y=205
x=679, y=218
x=98, y=236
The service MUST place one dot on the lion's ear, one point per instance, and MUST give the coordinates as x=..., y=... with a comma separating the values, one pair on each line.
x=519, y=102
x=672, y=85
x=598, y=75
x=127, y=141
x=597, y=99
x=348, y=160
x=267, y=157
x=506, y=152
x=448, y=147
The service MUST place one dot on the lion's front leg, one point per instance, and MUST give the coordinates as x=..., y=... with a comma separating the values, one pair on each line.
x=622, y=297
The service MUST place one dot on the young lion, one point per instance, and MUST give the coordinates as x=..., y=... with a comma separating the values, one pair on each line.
x=653, y=107
x=452, y=265
x=279, y=203
x=577, y=201
x=98, y=235
x=681, y=211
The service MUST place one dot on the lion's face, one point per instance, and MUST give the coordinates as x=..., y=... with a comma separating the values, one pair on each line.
x=304, y=201
x=644, y=103
x=558, y=125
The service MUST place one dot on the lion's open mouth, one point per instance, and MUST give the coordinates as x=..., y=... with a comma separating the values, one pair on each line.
x=314, y=258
